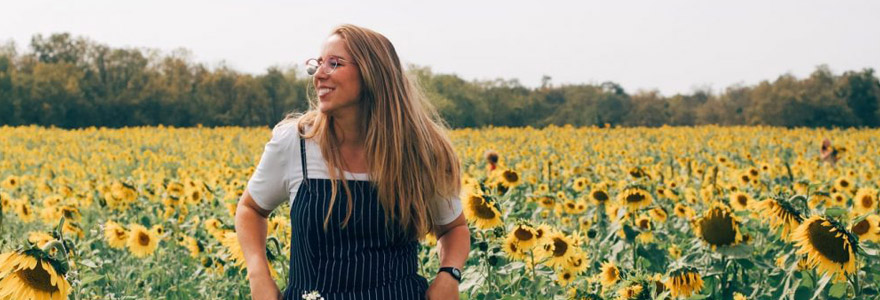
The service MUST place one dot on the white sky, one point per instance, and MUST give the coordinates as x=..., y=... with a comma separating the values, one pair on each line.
x=672, y=46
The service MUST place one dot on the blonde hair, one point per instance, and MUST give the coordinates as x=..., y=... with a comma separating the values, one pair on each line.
x=409, y=156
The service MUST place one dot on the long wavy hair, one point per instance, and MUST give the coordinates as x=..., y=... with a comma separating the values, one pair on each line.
x=409, y=156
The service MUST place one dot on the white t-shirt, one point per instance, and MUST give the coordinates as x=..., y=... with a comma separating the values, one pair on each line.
x=279, y=174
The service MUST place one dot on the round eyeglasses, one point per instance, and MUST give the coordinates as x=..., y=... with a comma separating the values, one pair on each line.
x=312, y=65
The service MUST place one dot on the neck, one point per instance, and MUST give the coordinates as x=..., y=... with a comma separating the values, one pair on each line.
x=347, y=127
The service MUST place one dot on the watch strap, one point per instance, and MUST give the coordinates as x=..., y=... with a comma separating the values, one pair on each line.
x=455, y=272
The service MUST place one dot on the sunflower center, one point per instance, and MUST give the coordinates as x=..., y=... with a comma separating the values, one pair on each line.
x=511, y=176
x=742, y=199
x=844, y=183
x=867, y=201
x=635, y=197
x=38, y=279
x=143, y=239
x=600, y=196
x=861, y=228
x=717, y=228
x=566, y=276
x=523, y=234
x=560, y=247
x=120, y=234
x=643, y=224
x=827, y=243
x=483, y=211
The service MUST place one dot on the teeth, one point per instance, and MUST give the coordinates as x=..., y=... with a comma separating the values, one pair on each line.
x=324, y=91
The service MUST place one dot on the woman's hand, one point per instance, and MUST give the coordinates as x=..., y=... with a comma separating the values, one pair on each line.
x=444, y=287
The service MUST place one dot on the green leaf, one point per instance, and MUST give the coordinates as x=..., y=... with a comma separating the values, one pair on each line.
x=837, y=290
x=807, y=281
x=835, y=211
x=802, y=293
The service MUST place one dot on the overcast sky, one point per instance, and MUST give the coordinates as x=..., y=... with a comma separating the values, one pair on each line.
x=672, y=46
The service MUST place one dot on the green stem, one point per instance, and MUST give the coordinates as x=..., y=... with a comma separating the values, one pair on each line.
x=534, y=292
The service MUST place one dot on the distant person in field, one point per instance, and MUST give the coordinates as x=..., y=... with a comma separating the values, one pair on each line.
x=491, y=160
x=829, y=154
x=368, y=171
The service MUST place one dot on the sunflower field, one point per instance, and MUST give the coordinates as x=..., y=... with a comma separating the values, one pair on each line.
x=555, y=213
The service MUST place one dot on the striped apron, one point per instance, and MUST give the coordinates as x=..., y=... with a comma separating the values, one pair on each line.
x=360, y=261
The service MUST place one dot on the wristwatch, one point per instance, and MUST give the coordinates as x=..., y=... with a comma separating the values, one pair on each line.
x=455, y=272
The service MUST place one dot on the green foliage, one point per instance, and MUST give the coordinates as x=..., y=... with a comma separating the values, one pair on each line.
x=74, y=82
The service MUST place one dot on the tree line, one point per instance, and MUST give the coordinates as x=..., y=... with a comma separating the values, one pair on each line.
x=73, y=82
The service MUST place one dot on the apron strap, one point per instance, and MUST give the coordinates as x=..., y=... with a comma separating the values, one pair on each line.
x=302, y=155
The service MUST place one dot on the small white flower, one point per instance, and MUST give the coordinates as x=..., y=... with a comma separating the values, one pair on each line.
x=313, y=295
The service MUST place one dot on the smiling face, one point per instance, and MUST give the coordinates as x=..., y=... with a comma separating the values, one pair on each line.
x=339, y=92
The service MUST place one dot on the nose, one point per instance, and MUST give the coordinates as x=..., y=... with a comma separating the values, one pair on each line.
x=320, y=72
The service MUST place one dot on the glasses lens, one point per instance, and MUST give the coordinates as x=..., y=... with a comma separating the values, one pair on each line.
x=332, y=63
x=312, y=66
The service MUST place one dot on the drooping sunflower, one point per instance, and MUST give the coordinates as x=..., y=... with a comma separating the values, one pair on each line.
x=865, y=201
x=868, y=229
x=31, y=274
x=481, y=212
x=609, y=274
x=827, y=245
x=635, y=198
x=141, y=241
x=718, y=227
x=780, y=214
x=740, y=201
x=684, y=282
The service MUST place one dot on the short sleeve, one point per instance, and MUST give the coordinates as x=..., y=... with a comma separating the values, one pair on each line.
x=446, y=210
x=269, y=185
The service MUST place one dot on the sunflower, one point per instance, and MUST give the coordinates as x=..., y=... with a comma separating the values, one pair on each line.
x=543, y=189
x=580, y=184
x=780, y=214
x=674, y=252
x=482, y=212
x=684, y=211
x=843, y=184
x=738, y=296
x=558, y=250
x=31, y=274
x=658, y=214
x=525, y=236
x=141, y=241
x=868, y=229
x=512, y=249
x=718, y=227
x=565, y=277
x=11, y=182
x=39, y=238
x=684, y=282
x=740, y=201
x=865, y=201
x=510, y=178
x=838, y=200
x=635, y=198
x=818, y=198
x=599, y=196
x=115, y=235
x=827, y=245
x=609, y=274
x=577, y=262
x=630, y=292
x=25, y=214
x=191, y=244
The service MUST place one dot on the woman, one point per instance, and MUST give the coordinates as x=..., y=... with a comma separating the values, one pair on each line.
x=828, y=154
x=357, y=238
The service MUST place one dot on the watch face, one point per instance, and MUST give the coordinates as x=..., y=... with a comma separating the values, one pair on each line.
x=456, y=272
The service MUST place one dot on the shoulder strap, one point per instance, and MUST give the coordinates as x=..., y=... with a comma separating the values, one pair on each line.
x=302, y=155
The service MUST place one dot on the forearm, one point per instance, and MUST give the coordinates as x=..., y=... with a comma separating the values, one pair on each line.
x=454, y=247
x=251, y=228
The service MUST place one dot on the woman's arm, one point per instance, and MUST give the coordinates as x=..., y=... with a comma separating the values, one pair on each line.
x=454, y=240
x=250, y=226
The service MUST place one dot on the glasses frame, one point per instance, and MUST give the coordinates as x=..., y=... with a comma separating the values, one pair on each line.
x=319, y=62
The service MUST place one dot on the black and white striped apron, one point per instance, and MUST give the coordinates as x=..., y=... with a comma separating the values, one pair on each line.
x=360, y=261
